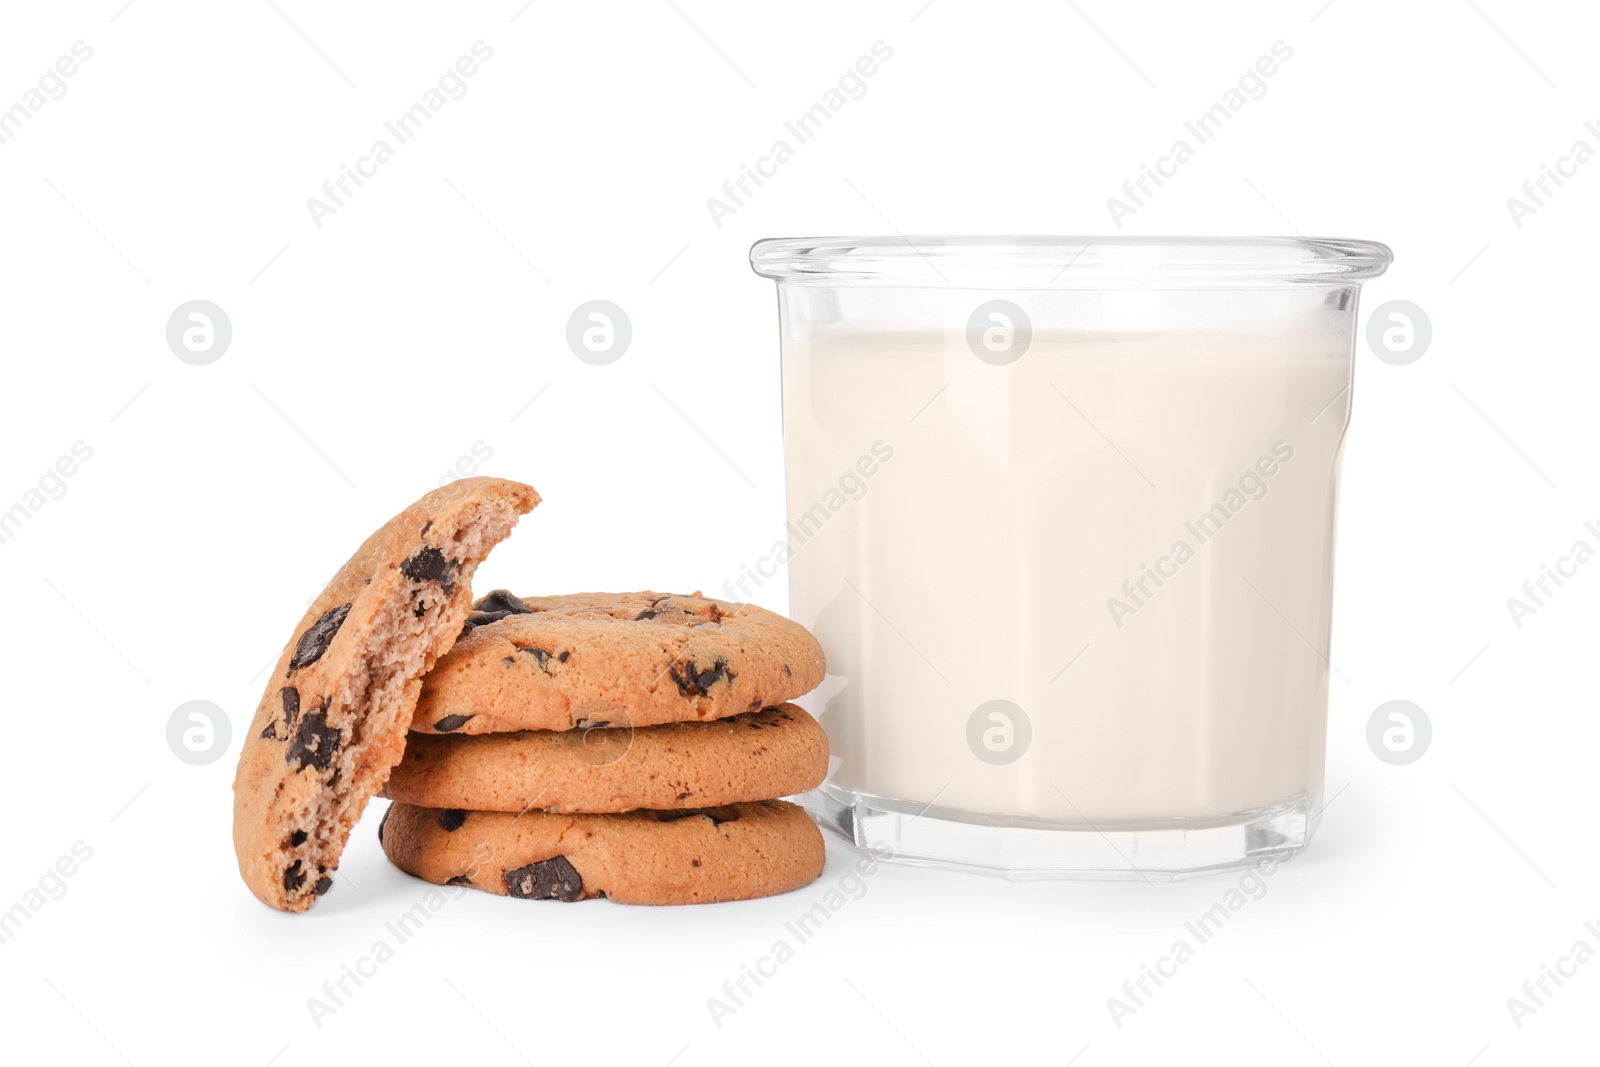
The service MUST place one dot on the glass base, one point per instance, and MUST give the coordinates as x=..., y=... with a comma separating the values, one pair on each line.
x=1163, y=853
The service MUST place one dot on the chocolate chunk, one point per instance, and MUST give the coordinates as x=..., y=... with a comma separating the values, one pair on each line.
x=297, y=839
x=425, y=528
x=430, y=565
x=502, y=600
x=451, y=819
x=451, y=722
x=459, y=879
x=552, y=879
x=692, y=681
x=294, y=877
x=542, y=657
x=482, y=618
x=689, y=607
x=653, y=610
x=291, y=710
x=315, y=742
x=315, y=641
x=323, y=885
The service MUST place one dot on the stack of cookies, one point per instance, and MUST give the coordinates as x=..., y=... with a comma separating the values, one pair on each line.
x=626, y=745
x=620, y=745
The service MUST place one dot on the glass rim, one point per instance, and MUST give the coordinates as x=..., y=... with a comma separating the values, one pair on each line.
x=953, y=261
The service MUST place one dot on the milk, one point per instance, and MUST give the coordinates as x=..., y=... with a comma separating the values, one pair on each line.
x=1127, y=536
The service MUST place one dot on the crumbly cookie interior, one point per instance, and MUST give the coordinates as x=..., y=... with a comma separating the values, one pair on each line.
x=372, y=705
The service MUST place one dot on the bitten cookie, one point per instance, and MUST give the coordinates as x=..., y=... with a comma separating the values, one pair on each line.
x=332, y=723
x=596, y=659
x=640, y=857
x=775, y=752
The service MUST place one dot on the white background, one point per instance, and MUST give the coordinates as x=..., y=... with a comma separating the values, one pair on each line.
x=420, y=319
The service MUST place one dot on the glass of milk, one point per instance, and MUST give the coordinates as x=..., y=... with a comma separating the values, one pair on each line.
x=1061, y=512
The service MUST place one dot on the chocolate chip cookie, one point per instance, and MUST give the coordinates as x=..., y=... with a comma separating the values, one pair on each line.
x=596, y=659
x=641, y=857
x=774, y=752
x=332, y=723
